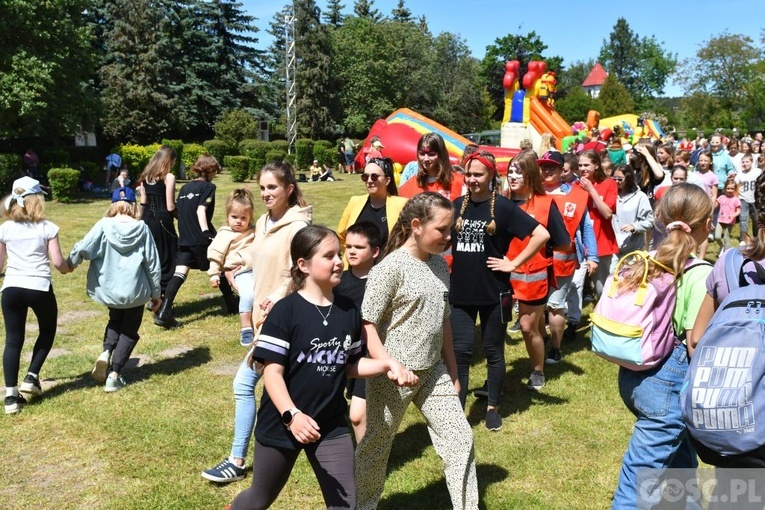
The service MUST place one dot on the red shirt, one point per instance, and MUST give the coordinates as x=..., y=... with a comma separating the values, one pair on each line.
x=604, y=231
x=410, y=187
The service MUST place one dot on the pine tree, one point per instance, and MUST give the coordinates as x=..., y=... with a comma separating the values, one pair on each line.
x=334, y=15
x=365, y=9
x=614, y=98
x=139, y=103
x=401, y=13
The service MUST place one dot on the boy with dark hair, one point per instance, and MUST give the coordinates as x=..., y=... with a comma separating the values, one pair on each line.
x=362, y=247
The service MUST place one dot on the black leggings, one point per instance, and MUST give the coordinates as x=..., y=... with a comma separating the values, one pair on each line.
x=333, y=464
x=493, y=335
x=121, y=334
x=16, y=302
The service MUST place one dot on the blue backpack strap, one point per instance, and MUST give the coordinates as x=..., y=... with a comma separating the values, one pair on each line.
x=734, y=260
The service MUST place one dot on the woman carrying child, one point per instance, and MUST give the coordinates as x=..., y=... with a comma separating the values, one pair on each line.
x=229, y=251
x=286, y=214
x=660, y=438
x=406, y=317
x=30, y=244
x=309, y=342
x=124, y=275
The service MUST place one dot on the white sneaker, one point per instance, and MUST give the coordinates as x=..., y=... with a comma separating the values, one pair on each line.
x=102, y=366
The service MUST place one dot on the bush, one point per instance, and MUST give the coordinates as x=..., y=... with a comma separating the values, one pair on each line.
x=256, y=151
x=136, y=156
x=281, y=145
x=276, y=155
x=191, y=151
x=303, y=153
x=219, y=149
x=326, y=156
x=178, y=146
x=91, y=170
x=239, y=166
x=236, y=125
x=10, y=170
x=63, y=183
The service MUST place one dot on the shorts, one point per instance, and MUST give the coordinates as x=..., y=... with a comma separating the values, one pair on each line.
x=558, y=297
x=194, y=257
x=533, y=302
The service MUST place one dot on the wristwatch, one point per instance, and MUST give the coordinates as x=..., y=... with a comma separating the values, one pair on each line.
x=289, y=415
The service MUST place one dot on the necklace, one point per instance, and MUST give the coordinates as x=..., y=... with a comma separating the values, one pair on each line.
x=322, y=315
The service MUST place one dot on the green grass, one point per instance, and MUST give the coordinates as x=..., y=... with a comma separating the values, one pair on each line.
x=144, y=447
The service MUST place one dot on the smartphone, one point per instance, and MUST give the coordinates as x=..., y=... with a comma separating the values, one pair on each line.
x=506, y=306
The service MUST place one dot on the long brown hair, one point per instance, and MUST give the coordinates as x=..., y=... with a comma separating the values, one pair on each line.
x=159, y=165
x=285, y=174
x=599, y=174
x=435, y=142
x=304, y=244
x=424, y=207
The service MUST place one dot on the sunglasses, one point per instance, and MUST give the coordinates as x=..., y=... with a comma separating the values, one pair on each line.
x=370, y=177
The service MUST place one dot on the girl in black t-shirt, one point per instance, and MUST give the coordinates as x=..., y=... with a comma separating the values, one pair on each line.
x=308, y=344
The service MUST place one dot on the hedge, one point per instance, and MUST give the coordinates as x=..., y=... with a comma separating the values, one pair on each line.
x=135, y=156
x=63, y=183
x=219, y=149
x=256, y=151
x=303, y=153
x=239, y=166
x=276, y=155
x=191, y=151
x=10, y=170
x=325, y=155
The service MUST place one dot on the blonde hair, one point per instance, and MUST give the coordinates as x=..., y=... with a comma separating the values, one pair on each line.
x=547, y=143
x=160, y=165
x=123, y=207
x=491, y=227
x=423, y=207
x=241, y=197
x=686, y=203
x=33, y=210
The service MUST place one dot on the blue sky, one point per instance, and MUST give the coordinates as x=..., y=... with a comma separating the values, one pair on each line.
x=573, y=30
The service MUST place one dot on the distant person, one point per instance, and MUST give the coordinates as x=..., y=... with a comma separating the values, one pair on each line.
x=122, y=180
x=30, y=243
x=349, y=147
x=113, y=164
x=315, y=171
x=31, y=164
x=435, y=172
x=123, y=275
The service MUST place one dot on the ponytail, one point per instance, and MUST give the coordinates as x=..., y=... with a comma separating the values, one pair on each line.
x=424, y=207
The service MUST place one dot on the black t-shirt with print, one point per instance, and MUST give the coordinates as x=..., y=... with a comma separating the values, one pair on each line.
x=315, y=357
x=472, y=282
x=190, y=197
x=376, y=216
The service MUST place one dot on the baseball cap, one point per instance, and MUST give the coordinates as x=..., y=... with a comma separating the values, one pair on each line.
x=123, y=195
x=551, y=158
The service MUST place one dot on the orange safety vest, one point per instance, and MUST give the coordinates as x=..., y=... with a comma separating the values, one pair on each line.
x=531, y=280
x=572, y=208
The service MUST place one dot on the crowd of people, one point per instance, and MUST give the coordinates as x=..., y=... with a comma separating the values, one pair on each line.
x=382, y=311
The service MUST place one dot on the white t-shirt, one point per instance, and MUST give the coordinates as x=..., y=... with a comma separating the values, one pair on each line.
x=747, y=183
x=27, y=247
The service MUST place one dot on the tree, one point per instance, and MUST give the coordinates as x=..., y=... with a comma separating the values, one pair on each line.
x=235, y=126
x=614, y=98
x=365, y=9
x=46, y=63
x=575, y=105
x=401, y=13
x=334, y=14
x=639, y=63
x=523, y=48
x=139, y=103
x=573, y=76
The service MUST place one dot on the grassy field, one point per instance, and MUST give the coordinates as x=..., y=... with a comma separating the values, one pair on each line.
x=144, y=447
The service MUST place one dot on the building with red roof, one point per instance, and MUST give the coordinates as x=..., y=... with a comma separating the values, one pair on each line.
x=595, y=80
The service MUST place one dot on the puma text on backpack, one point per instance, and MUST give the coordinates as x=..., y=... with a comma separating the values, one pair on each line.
x=633, y=327
x=723, y=397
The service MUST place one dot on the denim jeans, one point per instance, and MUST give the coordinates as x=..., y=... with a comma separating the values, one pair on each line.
x=660, y=438
x=245, y=284
x=245, y=407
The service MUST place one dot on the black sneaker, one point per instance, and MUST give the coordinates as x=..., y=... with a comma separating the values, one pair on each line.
x=554, y=357
x=14, y=405
x=224, y=472
x=31, y=385
x=516, y=327
x=483, y=391
x=493, y=420
x=569, y=335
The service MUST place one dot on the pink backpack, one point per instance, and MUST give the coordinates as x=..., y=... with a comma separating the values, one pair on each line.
x=633, y=328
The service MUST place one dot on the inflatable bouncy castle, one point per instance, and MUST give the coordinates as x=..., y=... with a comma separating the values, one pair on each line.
x=530, y=111
x=402, y=129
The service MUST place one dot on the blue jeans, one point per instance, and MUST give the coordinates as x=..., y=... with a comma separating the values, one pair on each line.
x=245, y=407
x=245, y=284
x=660, y=438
